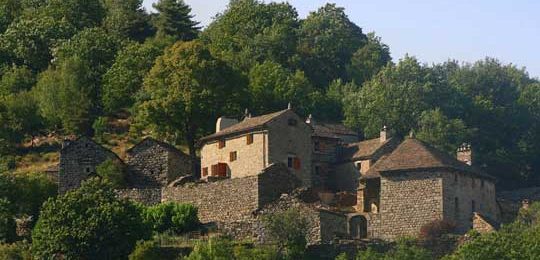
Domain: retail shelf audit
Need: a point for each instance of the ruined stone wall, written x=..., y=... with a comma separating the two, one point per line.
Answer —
x=408, y=201
x=251, y=158
x=466, y=189
x=144, y=196
x=332, y=225
x=179, y=165
x=285, y=140
x=78, y=162
x=148, y=166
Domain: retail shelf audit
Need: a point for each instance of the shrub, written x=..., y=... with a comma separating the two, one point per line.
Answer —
x=29, y=191
x=288, y=230
x=15, y=251
x=88, y=223
x=405, y=249
x=100, y=127
x=112, y=171
x=146, y=250
x=7, y=162
x=436, y=229
x=214, y=248
x=7, y=222
x=172, y=216
x=242, y=252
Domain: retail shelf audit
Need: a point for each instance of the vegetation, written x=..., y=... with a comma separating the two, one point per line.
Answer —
x=90, y=222
x=173, y=217
x=288, y=230
x=113, y=172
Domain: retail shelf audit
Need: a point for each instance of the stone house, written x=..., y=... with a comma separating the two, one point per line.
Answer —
x=417, y=184
x=152, y=163
x=245, y=148
x=78, y=161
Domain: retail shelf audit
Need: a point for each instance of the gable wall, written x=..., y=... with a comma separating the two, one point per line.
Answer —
x=148, y=165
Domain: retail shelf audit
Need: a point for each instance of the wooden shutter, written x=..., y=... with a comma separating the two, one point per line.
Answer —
x=222, y=169
x=205, y=171
x=249, y=139
x=232, y=156
x=221, y=144
x=296, y=163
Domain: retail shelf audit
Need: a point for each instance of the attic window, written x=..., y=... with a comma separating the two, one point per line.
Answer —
x=249, y=139
x=221, y=144
x=292, y=122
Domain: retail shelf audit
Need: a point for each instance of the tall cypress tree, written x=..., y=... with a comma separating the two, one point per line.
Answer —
x=175, y=19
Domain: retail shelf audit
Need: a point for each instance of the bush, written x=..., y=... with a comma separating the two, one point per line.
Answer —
x=7, y=162
x=100, y=127
x=171, y=216
x=7, y=222
x=146, y=250
x=436, y=229
x=88, y=223
x=15, y=251
x=288, y=230
x=112, y=171
x=405, y=249
x=215, y=248
x=242, y=252
x=29, y=191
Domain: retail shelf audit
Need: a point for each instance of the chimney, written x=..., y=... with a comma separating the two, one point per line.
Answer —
x=224, y=122
x=310, y=120
x=385, y=134
x=464, y=154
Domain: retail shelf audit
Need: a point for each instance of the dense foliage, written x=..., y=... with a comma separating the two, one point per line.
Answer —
x=67, y=65
x=173, y=217
x=113, y=172
x=90, y=222
x=288, y=230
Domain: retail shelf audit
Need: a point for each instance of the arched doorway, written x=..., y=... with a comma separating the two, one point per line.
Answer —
x=358, y=227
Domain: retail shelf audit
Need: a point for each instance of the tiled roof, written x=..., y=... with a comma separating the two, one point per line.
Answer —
x=363, y=149
x=333, y=129
x=245, y=125
x=413, y=154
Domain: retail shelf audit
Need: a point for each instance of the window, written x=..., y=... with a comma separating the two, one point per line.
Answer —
x=456, y=207
x=219, y=169
x=87, y=169
x=221, y=144
x=473, y=183
x=86, y=145
x=292, y=122
x=455, y=177
x=290, y=160
x=296, y=163
x=473, y=206
x=205, y=171
x=317, y=170
x=317, y=146
x=482, y=183
x=249, y=139
x=232, y=156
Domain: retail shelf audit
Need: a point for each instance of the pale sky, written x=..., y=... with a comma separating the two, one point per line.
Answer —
x=433, y=31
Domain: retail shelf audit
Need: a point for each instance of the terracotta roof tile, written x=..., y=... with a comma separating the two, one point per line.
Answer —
x=245, y=125
x=413, y=154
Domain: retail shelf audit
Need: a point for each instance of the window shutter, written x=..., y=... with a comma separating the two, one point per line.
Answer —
x=296, y=163
x=205, y=171
x=249, y=139
x=222, y=169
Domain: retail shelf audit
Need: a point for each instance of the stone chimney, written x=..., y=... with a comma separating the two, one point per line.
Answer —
x=385, y=134
x=464, y=154
x=310, y=120
x=224, y=122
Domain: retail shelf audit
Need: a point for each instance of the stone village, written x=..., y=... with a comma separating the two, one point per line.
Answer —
x=382, y=188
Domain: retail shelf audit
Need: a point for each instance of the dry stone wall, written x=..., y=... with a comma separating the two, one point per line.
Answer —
x=144, y=196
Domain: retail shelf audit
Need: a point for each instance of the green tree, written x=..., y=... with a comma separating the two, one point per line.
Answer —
x=442, y=132
x=127, y=19
x=7, y=222
x=250, y=32
x=79, y=13
x=16, y=79
x=19, y=117
x=27, y=192
x=9, y=10
x=395, y=97
x=288, y=230
x=185, y=88
x=175, y=19
x=271, y=87
x=90, y=222
x=113, y=172
x=126, y=75
x=326, y=42
x=31, y=41
x=369, y=59
x=63, y=96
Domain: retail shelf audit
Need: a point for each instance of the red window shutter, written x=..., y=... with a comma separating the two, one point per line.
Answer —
x=205, y=171
x=222, y=169
x=296, y=163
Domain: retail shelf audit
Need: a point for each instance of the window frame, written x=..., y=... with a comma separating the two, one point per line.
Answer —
x=233, y=156
x=249, y=139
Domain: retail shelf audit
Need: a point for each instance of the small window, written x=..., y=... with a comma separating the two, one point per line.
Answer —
x=249, y=139
x=232, y=156
x=473, y=206
x=482, y=183
x=290, y=160
x=205, y=171
x=221, y=144
x=455, y=177
x=86, y=145
x=456, y=207
x=87, y=169
x=296, y=163
x=317, y=170
x=292, y=122
x=317, y=146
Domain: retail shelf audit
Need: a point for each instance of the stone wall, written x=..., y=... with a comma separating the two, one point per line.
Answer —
x=408, y=201
x=152, y=164
x=481, y=224
x=144, y=196
x=78, y=162
x=466, y=190
x=332, y=225
x=251, y=159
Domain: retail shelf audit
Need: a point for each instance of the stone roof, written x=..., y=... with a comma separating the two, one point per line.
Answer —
x=363, y=149
x=413, y=154
x=68, y=144
x=245, y=125
x=331, y=130
x=165, y=145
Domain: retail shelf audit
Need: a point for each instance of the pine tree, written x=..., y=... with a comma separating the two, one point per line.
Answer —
x=175, y=19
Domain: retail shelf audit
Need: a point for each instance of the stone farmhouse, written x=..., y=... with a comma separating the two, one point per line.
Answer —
x=380, y=188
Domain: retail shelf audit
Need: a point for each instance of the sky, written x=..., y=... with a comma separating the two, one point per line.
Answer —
x=433, y=31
